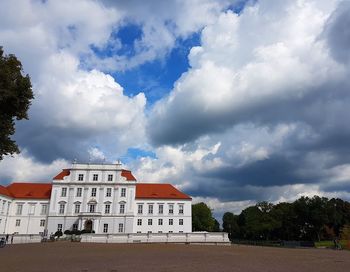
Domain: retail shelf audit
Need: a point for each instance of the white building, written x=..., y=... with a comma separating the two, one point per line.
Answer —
x=103, y=198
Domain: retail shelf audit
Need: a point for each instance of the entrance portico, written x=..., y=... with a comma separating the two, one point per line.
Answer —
x=89, y=222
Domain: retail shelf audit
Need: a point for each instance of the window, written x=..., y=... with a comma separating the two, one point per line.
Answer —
x=75, y=226
x=150, y=209
x=160, y=208
x=64, y=192
x=181, y=222
x=170, y=231
x=92, y=208
x=19, y=209
x=150, y=222
x=105, y=228
x=93, y=191
x=123, y=192
x=107, y=208
x=59, y=227
x=138, y=232
x=31, y=209
x=109, y=192
x=121, y=227
x=149, y=231
x=122, y=208
x=61, y=210
x=171, y=222
x=80, y=177
x=95, y=177
x=79, y=192
x=3, y=206
x=44, y=209
x=181, y=208
x=77, y=208
x=171, y=208
x=42, y=223
x=110, y=177
x=18, y=222
x=139, y=222
x=160, y=222
x=140, y=209
x=160, y=231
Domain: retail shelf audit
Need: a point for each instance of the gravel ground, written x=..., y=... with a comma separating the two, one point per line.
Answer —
x=67, y=256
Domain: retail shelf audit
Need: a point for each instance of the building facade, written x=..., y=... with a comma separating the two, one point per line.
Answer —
x=103, y=198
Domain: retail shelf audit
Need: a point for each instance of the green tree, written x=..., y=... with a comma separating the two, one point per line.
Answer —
x=216, y=225
x=15, y=98
x=202, y=218
x=285, y=215
x=230, y=225
x=256, y=222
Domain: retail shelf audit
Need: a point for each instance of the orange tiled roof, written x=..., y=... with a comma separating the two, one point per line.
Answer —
x=65, y=172
x=30, y=190
x=4, y=191
x=160, y=191
x=128, y=175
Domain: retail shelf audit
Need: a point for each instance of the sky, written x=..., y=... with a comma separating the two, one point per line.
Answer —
x=232, y=101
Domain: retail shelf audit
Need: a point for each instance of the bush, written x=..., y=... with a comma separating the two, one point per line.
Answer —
x=58, y=233
x=67, y=232
x=76, y=232
x=86, y=231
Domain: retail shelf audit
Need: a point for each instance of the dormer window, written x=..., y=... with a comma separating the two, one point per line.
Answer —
x=95, y=177
x=80, y=177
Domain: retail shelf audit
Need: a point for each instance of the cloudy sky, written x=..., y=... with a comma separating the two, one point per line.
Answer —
x=233, y=101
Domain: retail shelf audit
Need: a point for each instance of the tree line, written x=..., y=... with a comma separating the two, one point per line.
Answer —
x=312, y=219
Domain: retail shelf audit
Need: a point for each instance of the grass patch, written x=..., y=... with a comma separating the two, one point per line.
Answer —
x=330, y=244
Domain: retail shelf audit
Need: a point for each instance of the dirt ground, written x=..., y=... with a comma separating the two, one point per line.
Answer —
x=67, y=256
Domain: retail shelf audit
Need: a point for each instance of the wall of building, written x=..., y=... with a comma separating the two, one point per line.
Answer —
x=101, y=186
x=94, y=192
x=165, y=217
x=5, y=204
x=30, y=219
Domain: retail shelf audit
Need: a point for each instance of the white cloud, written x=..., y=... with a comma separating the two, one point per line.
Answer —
x=24, y=168
x=262, y=85
x=96, y=154
x=162, y=24
x=74, y=109
x=234, y=74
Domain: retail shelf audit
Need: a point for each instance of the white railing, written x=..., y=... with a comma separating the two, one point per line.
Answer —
x=124, y=238
x=194, y=237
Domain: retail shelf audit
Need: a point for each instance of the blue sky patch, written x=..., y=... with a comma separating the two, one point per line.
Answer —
x=157, y=78
x=135, y=153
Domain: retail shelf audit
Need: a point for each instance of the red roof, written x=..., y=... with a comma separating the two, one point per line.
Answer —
x=30, y=190
x=128, y=175
x=64, y=173
x=159, y=191
x=4, y=191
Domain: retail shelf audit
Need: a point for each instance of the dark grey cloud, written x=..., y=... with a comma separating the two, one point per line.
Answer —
x=47, y=143
x=338, y=33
